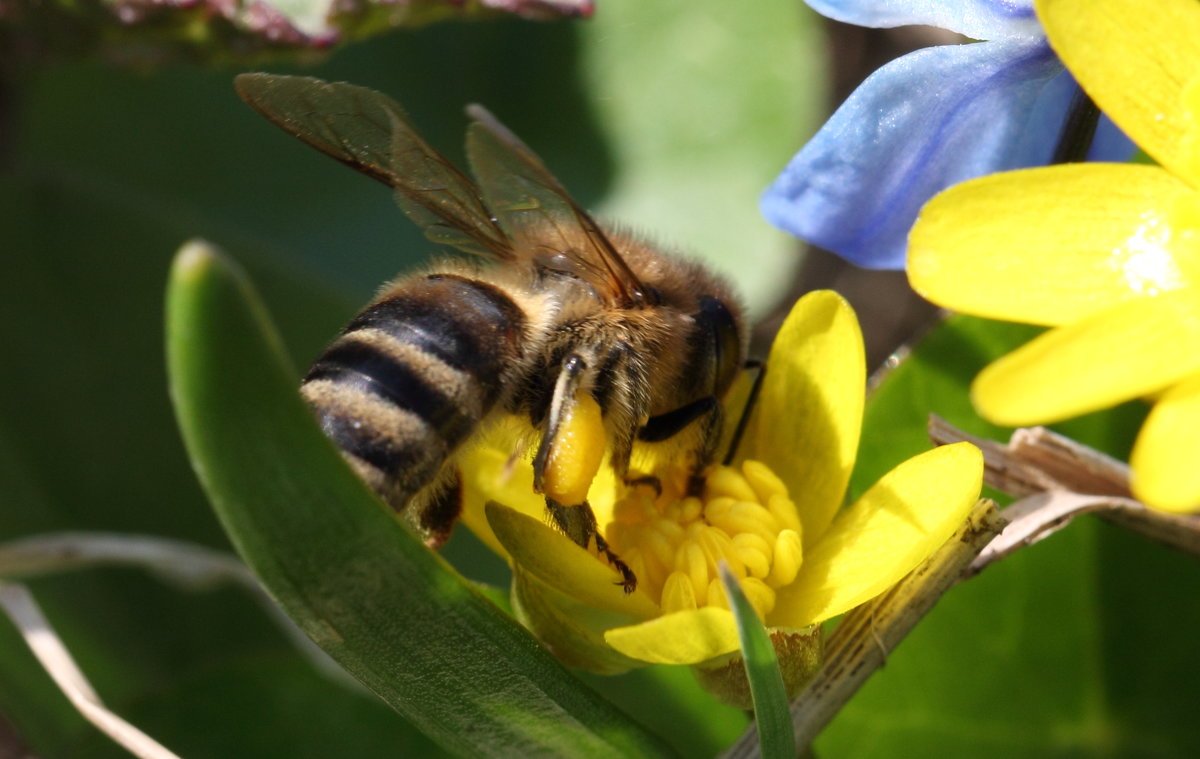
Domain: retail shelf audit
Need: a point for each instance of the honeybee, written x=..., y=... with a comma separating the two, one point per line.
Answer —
x=582, y=330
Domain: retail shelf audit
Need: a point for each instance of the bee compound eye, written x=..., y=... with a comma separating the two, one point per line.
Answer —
x=719, y=349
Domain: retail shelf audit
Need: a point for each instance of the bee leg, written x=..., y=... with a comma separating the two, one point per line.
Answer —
x=647, y=479
x=562, y=405
x=744, y=417
x=707, y=413
x=568, y=459
x=441, y=511
x=668, y=425
x=579, y=524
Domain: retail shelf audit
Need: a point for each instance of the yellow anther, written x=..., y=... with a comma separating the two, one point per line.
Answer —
x=761, y=597
x=673, y=511
x=716, y=545
x=754, y=552
x=659, y=546
x=789, y=554
x=717, y=509
x=764, y=482
x=671, y=530
x=716, y=594
x=728, y=482
x=690, y=509
x=784, y=510
x=678, y=594
x=674, y=544
x=575, y=455
x=745, y=516
x=689, y=560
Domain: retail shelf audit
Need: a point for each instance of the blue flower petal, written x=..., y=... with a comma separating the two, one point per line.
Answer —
x=1110, y=143
x=977, y=19
x=923, y=122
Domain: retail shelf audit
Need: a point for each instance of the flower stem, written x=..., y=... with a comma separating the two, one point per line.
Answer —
x=1078, y=131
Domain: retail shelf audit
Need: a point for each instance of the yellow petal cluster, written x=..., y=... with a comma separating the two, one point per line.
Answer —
x=774, y=516
x=1107, y=255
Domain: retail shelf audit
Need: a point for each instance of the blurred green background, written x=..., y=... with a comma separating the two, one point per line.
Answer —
x=666, y=115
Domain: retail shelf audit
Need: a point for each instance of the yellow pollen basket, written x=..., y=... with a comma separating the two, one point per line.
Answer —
x=577, y=453
x=675, y=543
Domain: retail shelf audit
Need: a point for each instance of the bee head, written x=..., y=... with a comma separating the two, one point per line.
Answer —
x=717, y=347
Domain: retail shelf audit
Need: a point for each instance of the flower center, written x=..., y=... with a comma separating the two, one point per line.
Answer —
x=675, y=543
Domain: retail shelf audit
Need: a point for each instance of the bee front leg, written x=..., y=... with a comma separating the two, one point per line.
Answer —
x=707, y=414
x=568, y=459
x=579, y=524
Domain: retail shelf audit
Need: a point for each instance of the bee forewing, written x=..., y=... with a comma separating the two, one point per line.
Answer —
x=351, y=124
x=370, y=132
x=538, y=214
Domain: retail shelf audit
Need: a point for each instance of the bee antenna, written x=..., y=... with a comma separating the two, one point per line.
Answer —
x=744, y=420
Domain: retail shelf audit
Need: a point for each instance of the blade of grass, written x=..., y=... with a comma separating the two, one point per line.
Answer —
x=356, y=580
x=772, y=718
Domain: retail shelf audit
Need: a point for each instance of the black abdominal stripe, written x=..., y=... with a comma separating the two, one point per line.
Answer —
x=412, y=376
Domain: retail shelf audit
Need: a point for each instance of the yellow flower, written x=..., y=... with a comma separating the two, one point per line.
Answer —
x=773, y=517
x=1108, y=254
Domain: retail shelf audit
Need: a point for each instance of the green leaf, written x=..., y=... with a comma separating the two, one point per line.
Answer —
x=772, y=718
x=670, y=700
x=394, y=614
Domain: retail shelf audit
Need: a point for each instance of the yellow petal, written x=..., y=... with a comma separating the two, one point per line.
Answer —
x=1127, y=351
x=684, y=637
x=552, y=558
x=489, y=475
x=1165, y=474
x=990, y=247
x=572, y=630
x=1135, y=59
x=735, y=401
x=891, y=529
x=807, y=421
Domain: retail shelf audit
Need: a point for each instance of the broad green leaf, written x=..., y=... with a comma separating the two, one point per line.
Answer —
x=671, y=701
x=1076, y=646
x=771, y=716
x=352, y=576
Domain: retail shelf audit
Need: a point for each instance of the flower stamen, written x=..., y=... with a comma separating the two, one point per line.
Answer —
x=745, y=519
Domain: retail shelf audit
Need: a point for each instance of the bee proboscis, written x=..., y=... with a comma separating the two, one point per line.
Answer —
x=576, y=327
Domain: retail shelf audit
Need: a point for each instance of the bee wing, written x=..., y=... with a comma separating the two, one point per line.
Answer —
x=370, y=132
x=539, y=216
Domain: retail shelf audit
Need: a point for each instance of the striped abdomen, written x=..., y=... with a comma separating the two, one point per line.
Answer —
x=409, y=379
